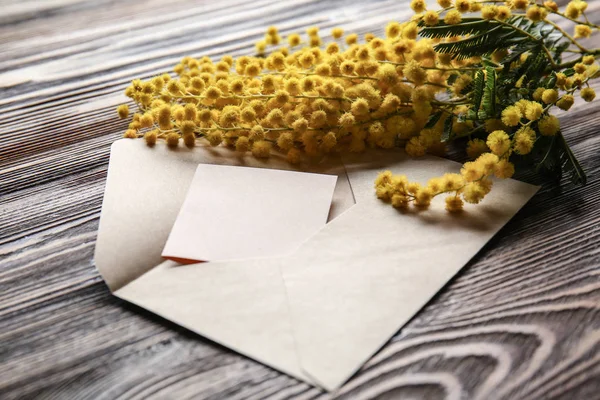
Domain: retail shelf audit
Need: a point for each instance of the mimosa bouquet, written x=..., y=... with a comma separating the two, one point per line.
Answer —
x=482, y=74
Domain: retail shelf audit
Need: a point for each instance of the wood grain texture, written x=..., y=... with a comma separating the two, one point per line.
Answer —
x=522, y=320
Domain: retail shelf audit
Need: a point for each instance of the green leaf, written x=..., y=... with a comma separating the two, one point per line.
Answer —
x=549, y=164
x=516, y=53
x=557, y=158
x=433, y=119
x=478, y=86
x=550, y=81
x=468, y=26
x=484, y=43
x=447, y=133
x=533, y=67
x=489, y=93
x=559, y=50
x=570, y=163
x=482, y=115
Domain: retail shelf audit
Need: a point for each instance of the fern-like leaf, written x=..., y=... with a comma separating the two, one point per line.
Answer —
x=557, y=158
x=478, y=88
x=489, y=92
x=516, y=53
x=498, y=37
x=447, y=132
x=570, y=163
x=433, y=119
x=468, y=26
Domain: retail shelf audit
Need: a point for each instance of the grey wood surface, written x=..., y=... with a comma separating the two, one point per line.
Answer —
x=521, y=321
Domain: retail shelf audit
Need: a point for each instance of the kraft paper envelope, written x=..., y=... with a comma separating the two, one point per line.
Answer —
x=234, y=213
x=321, y=312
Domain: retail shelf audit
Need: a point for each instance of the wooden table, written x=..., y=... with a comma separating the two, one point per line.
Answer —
x=522, y=320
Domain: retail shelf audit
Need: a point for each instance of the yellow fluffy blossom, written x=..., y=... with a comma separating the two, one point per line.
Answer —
x=503, y=13
x=172, y=139
x=337, y=33
x=476, y=147
x=487, y=162
x=476, y=6
x=549, y=125
x=582, y=31
x=473, y=193
x=565, y=102
x=413, y=72
x=504, y=169
x=285, y=141
x=588, y=94
x=588, y=60
x=519, y=4
x=463, y=6
x=549, y=96
x=471, y=171
x=489, y=12
x=294, y=156
x=131, y=133
x=150, y=137
x=454, y=203
x=123, y=111
x=399, y=201
x=261, y=149
x=452, y=17
x=360, y=107
x=242, y=144
x=294, y=40
x=418, y=6
x=189, y=140
x=533, y=111
x=572, y=10
x=498, y=142
x=393, y=30
x=431, y=18
x=410, y=31
x=580, y=68
x=214, y=138
x=351, y=39
x=551, y=5
x=415, y=147
x=511, y=116
x=535, y=13
x=523, y=140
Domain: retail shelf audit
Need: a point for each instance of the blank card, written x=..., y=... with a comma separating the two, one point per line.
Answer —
x=232, y=213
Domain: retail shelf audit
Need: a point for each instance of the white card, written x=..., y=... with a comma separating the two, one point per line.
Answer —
x=232, y=213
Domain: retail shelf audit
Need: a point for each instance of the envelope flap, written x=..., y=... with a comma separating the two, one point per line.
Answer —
x=241, y=305
x=362, y=277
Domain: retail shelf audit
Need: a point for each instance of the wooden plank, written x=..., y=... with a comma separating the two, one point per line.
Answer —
x=521, y=321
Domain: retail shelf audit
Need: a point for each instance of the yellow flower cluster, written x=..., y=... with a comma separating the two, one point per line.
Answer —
x=312, y=98
x=471, y=185
x=377, y=94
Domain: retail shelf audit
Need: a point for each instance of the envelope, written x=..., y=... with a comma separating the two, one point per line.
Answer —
x=317, y=314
